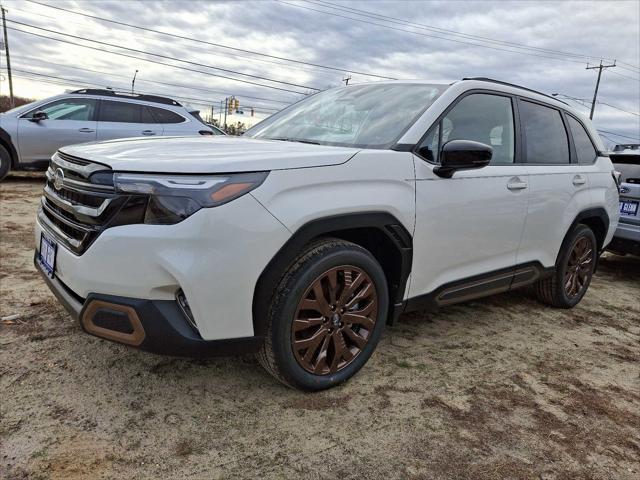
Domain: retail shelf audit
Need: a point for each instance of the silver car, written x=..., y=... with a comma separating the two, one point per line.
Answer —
x=626, y=160
x=31, y=134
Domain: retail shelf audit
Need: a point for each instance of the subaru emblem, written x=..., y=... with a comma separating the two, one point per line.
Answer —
x=58, y=179
x=624, y=189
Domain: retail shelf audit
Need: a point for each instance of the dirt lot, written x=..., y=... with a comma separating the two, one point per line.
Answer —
x=498, y=388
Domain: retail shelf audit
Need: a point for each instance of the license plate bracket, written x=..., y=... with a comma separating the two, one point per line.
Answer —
x=47, y=255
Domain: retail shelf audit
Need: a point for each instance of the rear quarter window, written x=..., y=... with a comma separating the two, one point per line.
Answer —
x=166, y=116
x=585, y=150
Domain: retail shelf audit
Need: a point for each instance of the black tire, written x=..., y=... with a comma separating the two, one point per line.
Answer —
x=5, y=162
x=277, y=354
x=553, y=290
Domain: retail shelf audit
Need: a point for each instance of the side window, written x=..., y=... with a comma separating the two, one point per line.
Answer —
x=166, y=116
x=584, y=148
x=479, y=117
x=546, y=137
x=123, y=112
x=82, y=109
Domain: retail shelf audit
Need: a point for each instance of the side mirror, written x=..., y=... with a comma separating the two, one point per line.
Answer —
x=462, y=155
x=38, y=116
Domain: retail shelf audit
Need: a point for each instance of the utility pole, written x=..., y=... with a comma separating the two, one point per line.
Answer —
x=595, y=94
x=133, y=82
x=346, y=80
x=226, y=107
x=6, y=49
x=220, y=114
x=211, y=120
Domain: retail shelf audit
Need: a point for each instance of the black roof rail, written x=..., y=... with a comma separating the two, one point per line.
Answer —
x=499, y=82
x=107, y=92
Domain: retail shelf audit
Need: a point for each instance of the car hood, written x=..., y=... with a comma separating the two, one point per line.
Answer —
x=207, y=154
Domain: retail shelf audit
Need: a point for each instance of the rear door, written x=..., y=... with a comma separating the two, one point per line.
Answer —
x=71, y=121
x=559, y=185
x=118, y=119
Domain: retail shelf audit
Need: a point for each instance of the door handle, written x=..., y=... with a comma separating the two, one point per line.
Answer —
x=148, y=132
x=516, y=184
x=579, y=180
x=86, y=130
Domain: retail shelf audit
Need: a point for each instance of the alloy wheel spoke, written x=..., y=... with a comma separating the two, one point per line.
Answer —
x=334, y=320
x=305, y=323
x=366, y=322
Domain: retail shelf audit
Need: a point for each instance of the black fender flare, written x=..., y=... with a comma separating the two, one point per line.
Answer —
x=591, y=213
x=5, y=141
x=386, y=223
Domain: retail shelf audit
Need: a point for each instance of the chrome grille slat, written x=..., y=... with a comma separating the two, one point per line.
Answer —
x=76, y=208
x=65, y=220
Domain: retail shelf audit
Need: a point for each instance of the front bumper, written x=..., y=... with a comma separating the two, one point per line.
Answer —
x=157, y=326
x=215, y=257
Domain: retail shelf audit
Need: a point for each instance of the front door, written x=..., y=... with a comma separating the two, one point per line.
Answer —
x=470, y=225
x=70, y=121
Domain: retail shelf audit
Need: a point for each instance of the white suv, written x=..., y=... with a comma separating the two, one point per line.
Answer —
x=31, y=133
x=302, y=239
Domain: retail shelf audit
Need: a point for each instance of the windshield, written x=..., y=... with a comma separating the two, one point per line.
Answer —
x=363, y=116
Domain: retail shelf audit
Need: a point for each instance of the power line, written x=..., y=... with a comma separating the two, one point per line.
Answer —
x=188, y=87
x=427, y=35
x=626, y=76
x=155, y=61
x=182, y=37
x=166, y=57
x=620, y=135
x=57, y=80
x=377, y=16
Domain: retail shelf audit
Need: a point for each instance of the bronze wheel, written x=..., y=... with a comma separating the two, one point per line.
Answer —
x=334, y=320
x=579, y=267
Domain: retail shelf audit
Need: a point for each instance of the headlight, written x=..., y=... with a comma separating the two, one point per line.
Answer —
x=172, y=198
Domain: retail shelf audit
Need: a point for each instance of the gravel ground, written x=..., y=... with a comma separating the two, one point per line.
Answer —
x=498, y=388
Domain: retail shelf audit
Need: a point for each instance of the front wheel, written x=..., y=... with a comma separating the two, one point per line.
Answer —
x=326, y=316
x=5, y=162
x=574, y=270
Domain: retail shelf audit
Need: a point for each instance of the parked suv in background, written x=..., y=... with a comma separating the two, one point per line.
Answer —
x=30, y=134
x=626, y=160
x=302, y=239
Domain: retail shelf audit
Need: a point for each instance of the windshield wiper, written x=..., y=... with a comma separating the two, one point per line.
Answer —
x=299, y=140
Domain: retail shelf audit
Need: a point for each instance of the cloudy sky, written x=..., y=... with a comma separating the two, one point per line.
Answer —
x=542, y=45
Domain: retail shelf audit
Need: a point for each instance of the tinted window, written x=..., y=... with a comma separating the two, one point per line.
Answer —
x=68, y=109
x=479, y=117
x=584, y=148
x=166, y=116
x=123, y=112
x=546, y=138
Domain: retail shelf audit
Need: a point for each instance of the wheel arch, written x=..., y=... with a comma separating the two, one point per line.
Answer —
x=5, y=141
x=596, y=219
x=382, y=234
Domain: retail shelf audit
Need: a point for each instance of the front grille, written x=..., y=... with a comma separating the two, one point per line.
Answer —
x=80, y=201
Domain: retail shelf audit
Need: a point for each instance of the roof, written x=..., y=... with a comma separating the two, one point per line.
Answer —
x=107, y=92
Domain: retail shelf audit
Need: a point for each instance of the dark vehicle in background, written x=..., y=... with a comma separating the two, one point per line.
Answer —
x=626, y=160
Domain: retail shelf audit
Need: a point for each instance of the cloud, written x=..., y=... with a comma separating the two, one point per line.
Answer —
x=609, y=29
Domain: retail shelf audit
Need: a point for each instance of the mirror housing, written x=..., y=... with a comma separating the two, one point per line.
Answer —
x=39, y=116
x=462, y=155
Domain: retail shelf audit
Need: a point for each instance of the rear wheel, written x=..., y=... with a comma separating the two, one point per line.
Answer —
x=5, y=162
x=574, y=270
x=326, y=316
